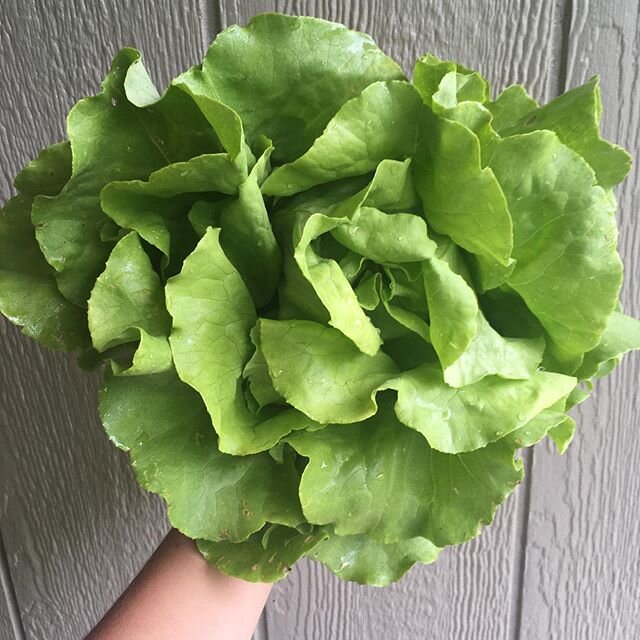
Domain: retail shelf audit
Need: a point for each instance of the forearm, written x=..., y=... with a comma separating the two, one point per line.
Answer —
x=179, y=595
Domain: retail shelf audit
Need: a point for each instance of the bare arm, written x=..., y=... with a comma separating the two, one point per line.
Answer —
x=179, y=595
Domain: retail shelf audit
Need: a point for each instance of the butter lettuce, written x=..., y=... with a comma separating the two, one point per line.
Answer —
x=331, y=303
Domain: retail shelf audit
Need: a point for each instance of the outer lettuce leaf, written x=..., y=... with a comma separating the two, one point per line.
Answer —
x=562, y=434
x=110, y=138
x=468, y=418
x=568, y=270
x=287, y=76
x=537, y=428
x=34, y=303
x=357, y=481
x=367, y=561
x=266, y=556
x=574, y=117
x=29, y=295
x=167, y=431
x=621, y=335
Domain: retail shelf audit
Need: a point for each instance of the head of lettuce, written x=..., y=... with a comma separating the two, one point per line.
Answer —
x=333, y=303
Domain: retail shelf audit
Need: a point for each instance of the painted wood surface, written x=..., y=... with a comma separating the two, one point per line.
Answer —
x=582, y=577
x=561, y=561
x=75, y=525
x=10, y=623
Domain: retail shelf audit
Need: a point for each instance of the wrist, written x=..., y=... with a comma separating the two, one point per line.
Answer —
x=178, y=594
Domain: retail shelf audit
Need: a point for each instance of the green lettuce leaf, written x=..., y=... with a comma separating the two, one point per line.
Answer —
x=265, y=556
x=166, y=429
x=110, y=139
x=366, y=561
x=510, y=107
x=29, y=295
x=212, y=315
x=127, y=298
x=321, y=372
x=331, y=285
x=453, y=310
x=378, y=124
x=567, y=268
x=460, y=198
x=468, y=418
x=621, y=335
x=562, y=434
x=287, y=76
x=574, y=117
x=357, y=480
x=489, y=354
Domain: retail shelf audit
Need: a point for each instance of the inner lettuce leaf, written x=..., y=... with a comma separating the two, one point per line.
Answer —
x=213, y=313
x=331, y=304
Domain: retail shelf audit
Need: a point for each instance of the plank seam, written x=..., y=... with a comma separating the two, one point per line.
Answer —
x=10, y=594
x=524, y=508
x=262, y=629
x=522, y=538
x=211, y=20
x=565, y=40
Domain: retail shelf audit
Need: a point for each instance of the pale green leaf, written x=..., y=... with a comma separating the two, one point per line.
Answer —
x=366, y=561
x=321, y=372
x=127, y=298
x=460, y=198
x=379, y=124
x=287, y=76
x=212, y=315
x=568, y=270
x=470, y=417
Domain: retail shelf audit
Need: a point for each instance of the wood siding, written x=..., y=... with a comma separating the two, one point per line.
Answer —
x=562, y=559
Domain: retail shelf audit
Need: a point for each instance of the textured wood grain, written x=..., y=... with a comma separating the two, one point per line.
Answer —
x=583, y=557
x=75, y=525
x=10, y=621
x=472, y=591
x=6, y=632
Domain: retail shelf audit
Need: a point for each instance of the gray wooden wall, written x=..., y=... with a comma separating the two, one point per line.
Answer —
x=563, y=558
